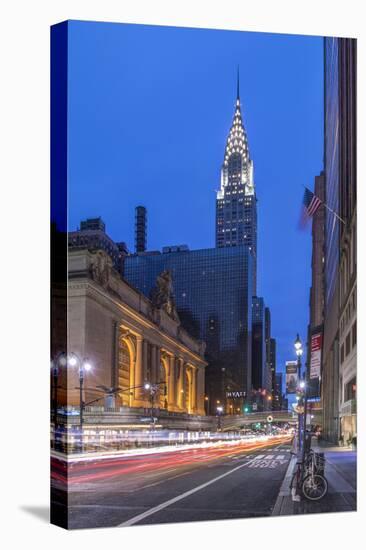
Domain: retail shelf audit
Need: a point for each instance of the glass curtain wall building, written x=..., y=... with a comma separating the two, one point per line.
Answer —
x=213, y=297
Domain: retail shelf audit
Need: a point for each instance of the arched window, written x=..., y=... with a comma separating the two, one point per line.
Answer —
x=163, y=402
x=124, y=370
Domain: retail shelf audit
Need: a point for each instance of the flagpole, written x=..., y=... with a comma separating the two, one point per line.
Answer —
x=335, y=213
x=326, y=206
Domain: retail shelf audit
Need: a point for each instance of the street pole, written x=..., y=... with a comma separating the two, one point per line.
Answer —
x=152, y=404
x=299, y=402
x=81, y=380
x=55, y=384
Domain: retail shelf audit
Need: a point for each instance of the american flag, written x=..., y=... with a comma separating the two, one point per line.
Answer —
x=311, y=202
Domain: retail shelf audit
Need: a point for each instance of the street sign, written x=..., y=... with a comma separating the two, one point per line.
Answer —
x=269, y=418
x=254, y=406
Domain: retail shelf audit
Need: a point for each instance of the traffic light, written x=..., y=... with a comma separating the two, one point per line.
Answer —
x=246, y=409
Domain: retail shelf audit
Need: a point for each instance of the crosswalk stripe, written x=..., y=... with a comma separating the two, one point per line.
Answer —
x=259, y=456
x=280, y=457
x=269, y=457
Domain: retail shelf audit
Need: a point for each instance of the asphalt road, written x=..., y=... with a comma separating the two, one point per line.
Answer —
x=222, y=482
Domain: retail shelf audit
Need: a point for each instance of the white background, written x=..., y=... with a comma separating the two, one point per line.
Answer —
x=24, y=165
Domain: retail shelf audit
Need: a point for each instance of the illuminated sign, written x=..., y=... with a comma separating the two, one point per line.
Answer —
x=291, y=376
x=235, y=394
x=316, y=354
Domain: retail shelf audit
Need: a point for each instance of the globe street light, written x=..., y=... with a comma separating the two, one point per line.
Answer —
x=59, y=361
x=207, y=404
x=301, y=386
x=84, y=365
x=219, y=410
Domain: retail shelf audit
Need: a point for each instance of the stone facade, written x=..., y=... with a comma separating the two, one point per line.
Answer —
x=129, y=342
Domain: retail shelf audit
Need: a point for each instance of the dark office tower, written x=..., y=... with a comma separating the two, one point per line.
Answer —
x=267, y=336
x=140, y=228
x=277, y=392
x=258, y=344
x=236, y=210
x=272, y=361
x=213, y=297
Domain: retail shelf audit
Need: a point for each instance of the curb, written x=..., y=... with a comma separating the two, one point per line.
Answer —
x=285, y=490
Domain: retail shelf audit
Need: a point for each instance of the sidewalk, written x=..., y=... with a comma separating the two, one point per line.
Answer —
x=340, y=471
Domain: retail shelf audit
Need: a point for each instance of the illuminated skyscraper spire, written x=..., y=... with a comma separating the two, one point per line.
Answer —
x=238, y=89
x=236, y=213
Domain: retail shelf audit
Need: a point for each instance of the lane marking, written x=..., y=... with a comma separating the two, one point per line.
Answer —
x=269, y=457
x=167, y=503
x=259, y=457
x=280, y=457
x=157, y=482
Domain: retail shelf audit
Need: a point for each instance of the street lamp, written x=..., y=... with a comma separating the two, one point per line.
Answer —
x=59, y=361
x=301, y=385
x=84, y=366
x=219, y=410
x=207, y=405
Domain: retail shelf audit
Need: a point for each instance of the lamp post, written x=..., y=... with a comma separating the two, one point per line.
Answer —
x=153, y=389
x=219, y=410
x=84, y=366
x=149, y=387
x=301, y=386
x=60, y=360
x=207, y=404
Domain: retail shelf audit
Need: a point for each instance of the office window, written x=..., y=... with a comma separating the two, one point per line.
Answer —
x=354, y=334
x=348, y=343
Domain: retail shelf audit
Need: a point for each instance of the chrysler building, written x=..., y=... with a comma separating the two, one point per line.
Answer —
x=236, y=210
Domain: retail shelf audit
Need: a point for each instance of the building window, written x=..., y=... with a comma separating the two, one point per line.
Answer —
x=348, y=343
x=354, y=334
x=350, y=390
x=342, y=353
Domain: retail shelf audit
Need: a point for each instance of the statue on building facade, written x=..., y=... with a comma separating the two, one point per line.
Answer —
x=162, y=295
x=100, y=268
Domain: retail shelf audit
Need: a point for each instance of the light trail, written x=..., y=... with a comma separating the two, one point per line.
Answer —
x=86, y=472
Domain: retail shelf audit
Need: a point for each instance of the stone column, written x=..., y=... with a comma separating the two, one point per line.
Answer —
x=146, y=367
x=180, y=396
x=201, y=391
x=151, y=367
x=157, y=365
x=171, y=383
x=114, y=363
x=194, y=390
x=139, y=371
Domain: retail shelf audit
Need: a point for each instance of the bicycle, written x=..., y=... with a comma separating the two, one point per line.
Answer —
x=309, y=477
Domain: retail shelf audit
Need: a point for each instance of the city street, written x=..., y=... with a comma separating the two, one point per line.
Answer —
x=223, y=481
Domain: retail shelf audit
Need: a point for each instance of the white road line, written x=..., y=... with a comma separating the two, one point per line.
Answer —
x=167, y=503
x=269, y=457
x=259, y=457
x=280, y=457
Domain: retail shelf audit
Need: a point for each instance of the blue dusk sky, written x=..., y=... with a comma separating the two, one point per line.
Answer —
x=148, y=116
